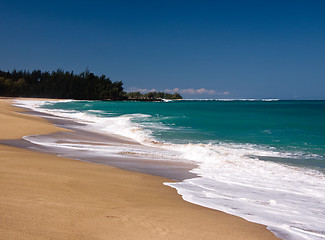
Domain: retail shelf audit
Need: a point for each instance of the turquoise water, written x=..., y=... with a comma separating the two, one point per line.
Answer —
x=261, y=160
x=292, y=127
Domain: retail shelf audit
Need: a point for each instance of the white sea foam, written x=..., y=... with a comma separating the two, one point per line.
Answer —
x=231, y=178
x=286, y=199
x=96, y=111
x=101, y=149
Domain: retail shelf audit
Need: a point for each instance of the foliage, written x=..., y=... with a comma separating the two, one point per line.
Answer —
x=59, y=84
x=152, y=96
x=67, y=85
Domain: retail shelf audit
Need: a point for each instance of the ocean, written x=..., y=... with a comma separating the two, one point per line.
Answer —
x=262, y=160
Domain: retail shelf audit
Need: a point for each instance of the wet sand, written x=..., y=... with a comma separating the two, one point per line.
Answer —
x=170, y=168
x=43, y=196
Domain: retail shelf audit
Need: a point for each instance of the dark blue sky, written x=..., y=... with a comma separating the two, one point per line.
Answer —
x=204, y=49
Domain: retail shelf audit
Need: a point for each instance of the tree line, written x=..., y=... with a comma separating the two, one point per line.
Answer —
x=152, y=96
x=68, y=85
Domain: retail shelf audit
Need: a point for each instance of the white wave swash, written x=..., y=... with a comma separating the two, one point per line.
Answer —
x=289, y=200
x=119, y=125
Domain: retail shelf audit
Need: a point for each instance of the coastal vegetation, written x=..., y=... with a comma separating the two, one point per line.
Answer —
x=152, y=96
x=68, y=85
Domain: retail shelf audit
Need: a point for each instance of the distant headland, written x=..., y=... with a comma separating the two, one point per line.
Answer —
x=68, y=85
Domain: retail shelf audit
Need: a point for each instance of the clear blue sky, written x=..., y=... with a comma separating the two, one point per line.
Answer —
x=204, y=49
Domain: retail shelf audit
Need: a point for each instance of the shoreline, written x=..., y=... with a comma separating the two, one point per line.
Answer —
x=91, y=201
x=175, y=170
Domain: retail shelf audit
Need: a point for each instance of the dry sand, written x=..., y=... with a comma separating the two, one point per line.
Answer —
x=47, y=197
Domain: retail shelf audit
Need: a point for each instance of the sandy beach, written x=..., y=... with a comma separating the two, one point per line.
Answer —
x=43, y=196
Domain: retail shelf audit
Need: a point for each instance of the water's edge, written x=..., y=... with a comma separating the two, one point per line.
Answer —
x=138, y=157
